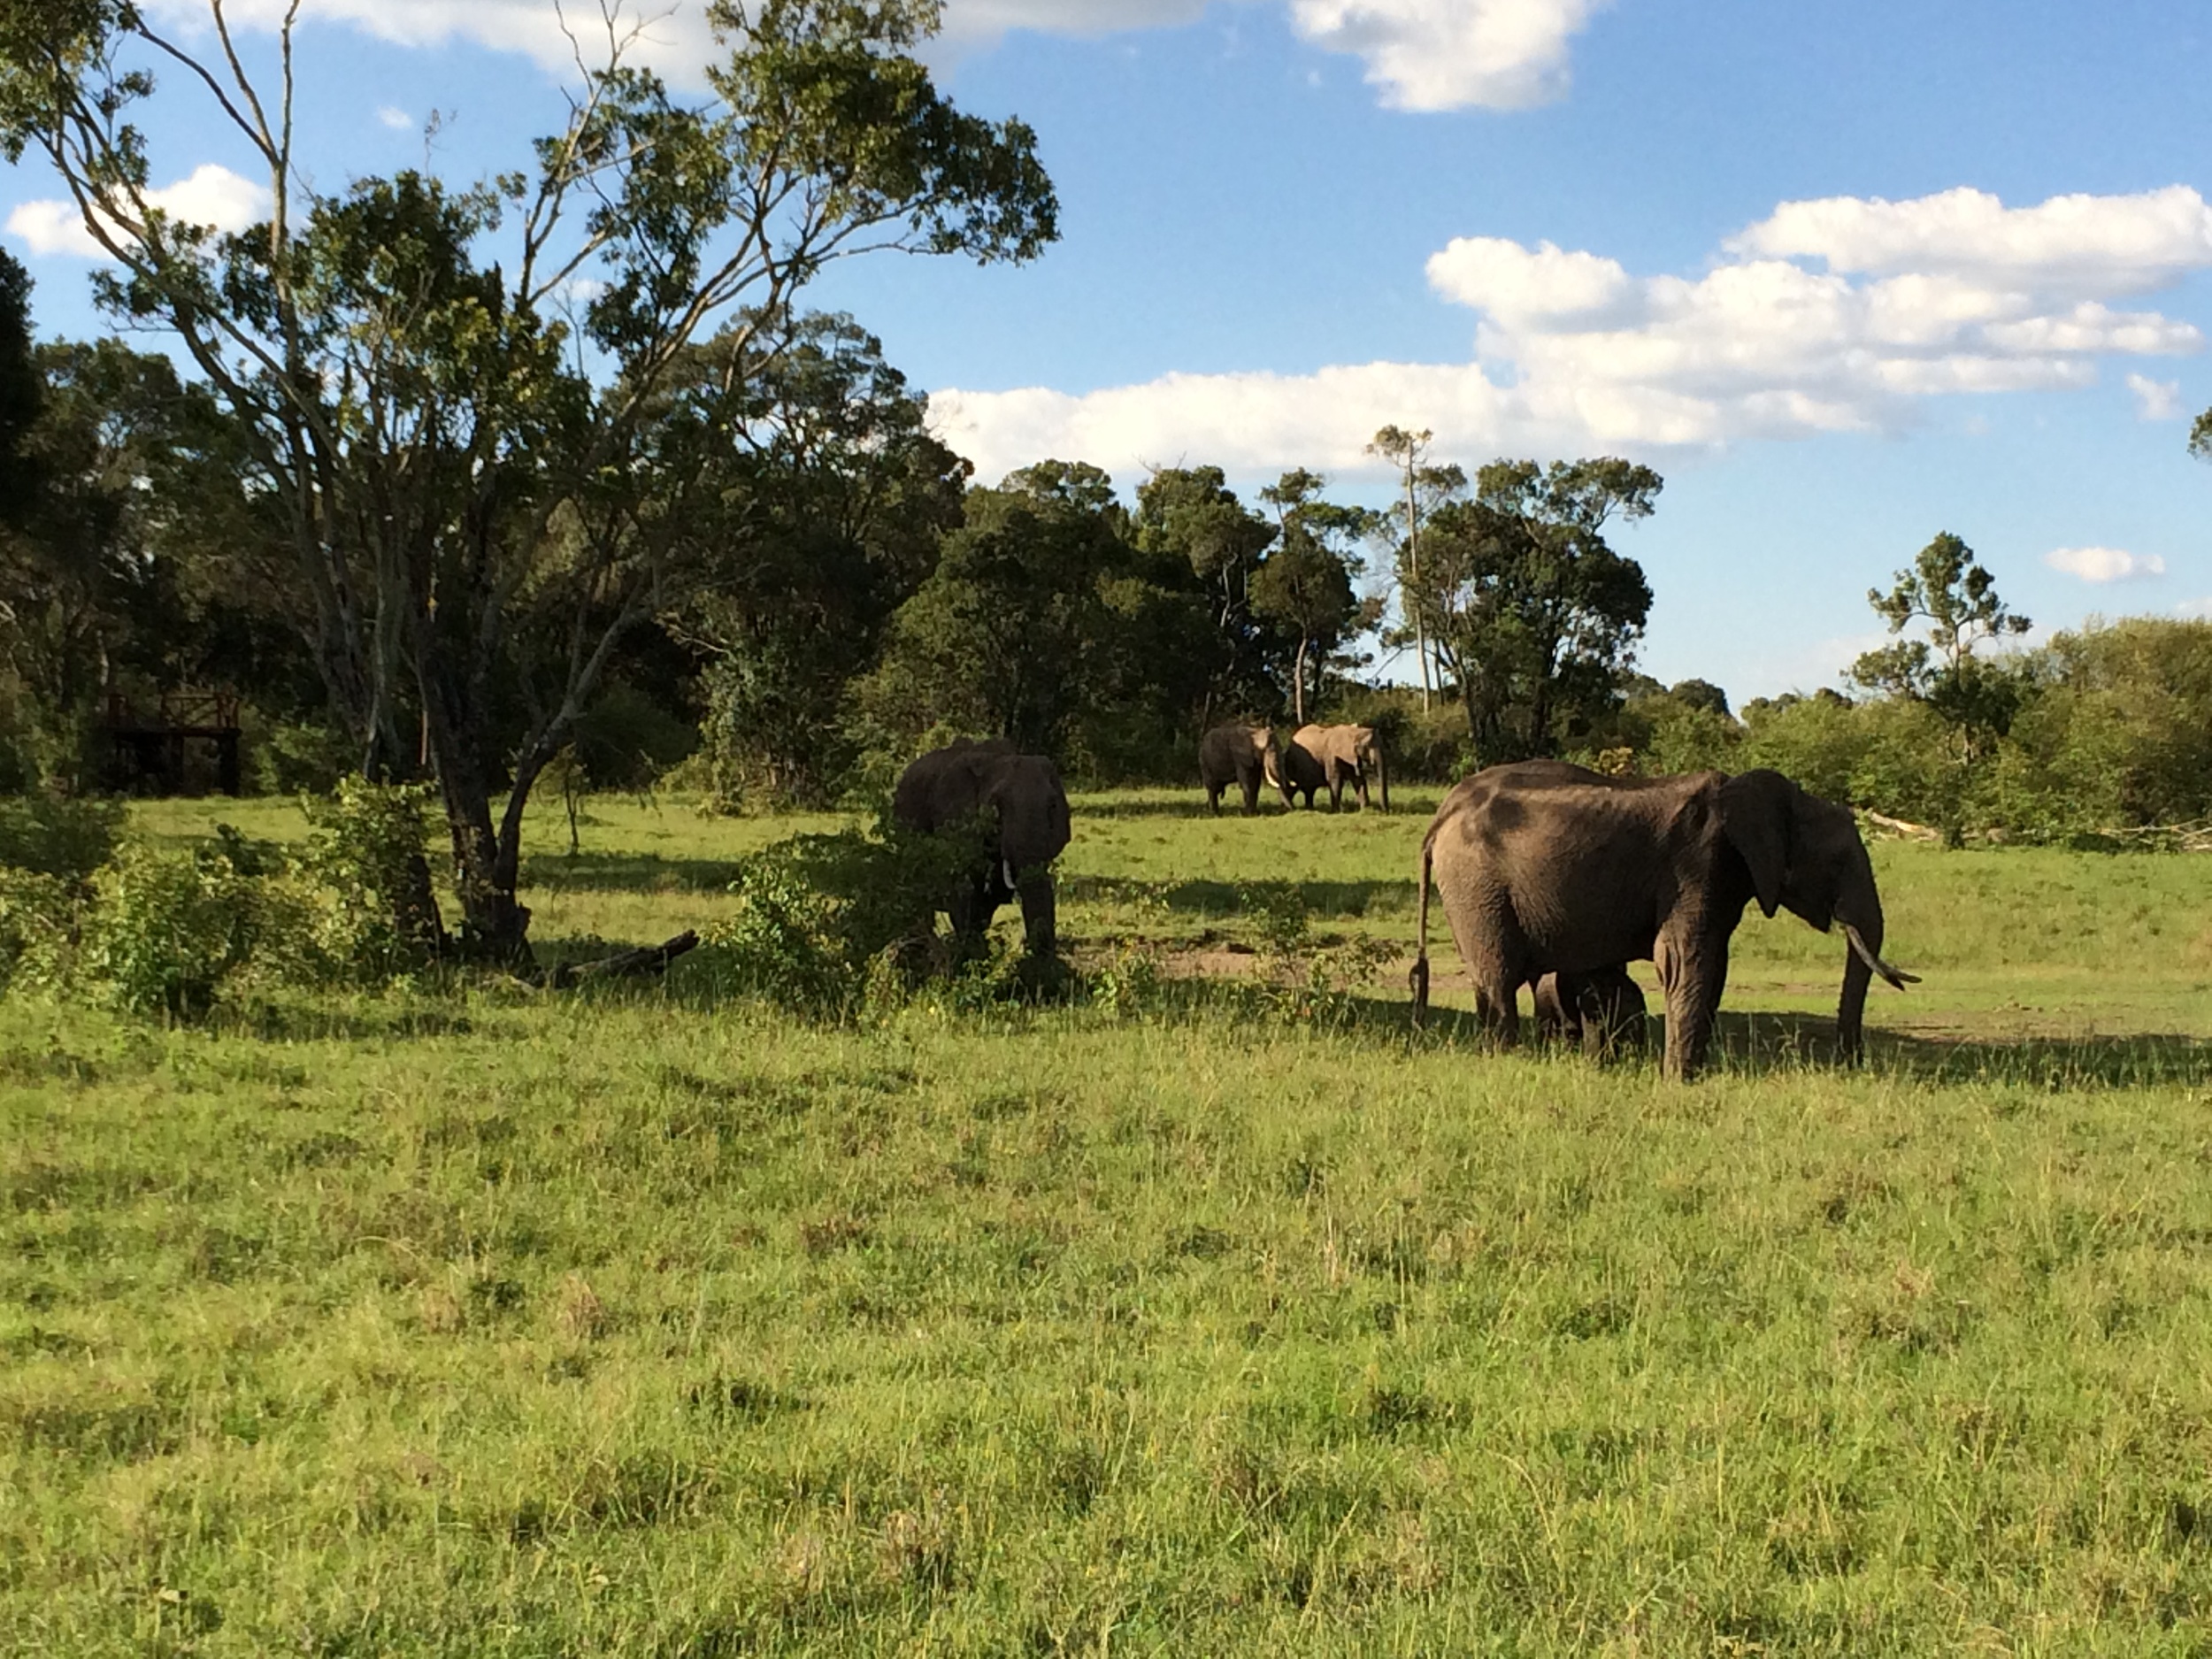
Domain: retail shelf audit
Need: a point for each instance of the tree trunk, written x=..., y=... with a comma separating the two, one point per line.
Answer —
x=495, y=927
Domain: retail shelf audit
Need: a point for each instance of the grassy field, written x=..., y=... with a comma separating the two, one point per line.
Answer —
x=514, y=1324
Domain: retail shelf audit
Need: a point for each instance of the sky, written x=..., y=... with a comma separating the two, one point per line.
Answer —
x=1847, y=276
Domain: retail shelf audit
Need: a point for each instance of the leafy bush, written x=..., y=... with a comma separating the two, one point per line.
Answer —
x=294, y=757
x=826, y=923
x=37, y=922
x=164, y=930
x=1300, y=981
x=66, y=839
x=365, y=880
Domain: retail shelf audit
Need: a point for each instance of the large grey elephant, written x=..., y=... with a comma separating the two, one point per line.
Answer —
x=1024, y=811
x=1544, y=868
x=1243, y=754
x=1340, y=755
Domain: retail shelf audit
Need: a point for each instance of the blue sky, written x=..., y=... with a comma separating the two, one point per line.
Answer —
x=1848, y=276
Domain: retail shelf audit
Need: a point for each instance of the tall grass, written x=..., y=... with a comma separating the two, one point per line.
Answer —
x=520, y=1325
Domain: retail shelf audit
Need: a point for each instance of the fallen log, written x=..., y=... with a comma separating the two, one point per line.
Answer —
x=1898, y=826
x=646, y=959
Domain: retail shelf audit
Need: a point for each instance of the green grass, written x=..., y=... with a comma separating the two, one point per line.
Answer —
x=529, y=1325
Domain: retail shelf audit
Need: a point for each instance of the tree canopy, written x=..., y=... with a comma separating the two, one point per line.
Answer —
x=465, y=472
x=1533, y=613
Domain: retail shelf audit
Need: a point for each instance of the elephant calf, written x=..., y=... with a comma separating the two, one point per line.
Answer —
x=1023, y=810
x=1602, y=1009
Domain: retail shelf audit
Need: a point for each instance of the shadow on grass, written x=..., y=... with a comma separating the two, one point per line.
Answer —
x=1415, y=808
x=1322, y=900
x=625, y=872
x=1762, y=1044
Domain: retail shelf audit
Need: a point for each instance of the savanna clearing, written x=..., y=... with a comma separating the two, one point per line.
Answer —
x=1185, y=1318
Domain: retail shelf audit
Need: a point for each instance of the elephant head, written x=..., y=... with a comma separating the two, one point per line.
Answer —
x=1024, y=811
x=1024, y=793
x=1803, y=855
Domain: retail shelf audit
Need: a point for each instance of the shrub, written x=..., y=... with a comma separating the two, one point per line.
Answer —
x=37, y=922
x=367, y=900
x=66, y=839
x=164, y=930
x=293, y=757
x=826, y=923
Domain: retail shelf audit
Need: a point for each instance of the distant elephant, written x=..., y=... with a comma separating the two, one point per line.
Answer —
x=1243, y=754
x=1547, y=868
x=1297, y=769
x=1602, y=1009
x=1025, y=812
x=1344, y=753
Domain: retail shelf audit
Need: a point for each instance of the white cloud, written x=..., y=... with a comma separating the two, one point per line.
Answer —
x=211, y=196
x=1507, y=281
x=396, y=118
x=2196, y=610
x=2081, y=244
x=2155, y=400
x=1421, y=54
x=674, y=37
x=1572, y=351
x=2105, y=564
x=1449, y=54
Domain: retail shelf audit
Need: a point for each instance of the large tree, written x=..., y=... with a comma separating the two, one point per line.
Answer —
x=1190, y=514
x=1953, y=595
x=1534, y=615
x=828, y=522
x=1305, y=586
x=1012, y=632
x=451, y=395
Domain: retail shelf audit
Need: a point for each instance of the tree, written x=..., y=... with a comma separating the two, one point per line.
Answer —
x=1535, y=614
x=465, y=467
x=1007, y=636
x=835, y=498
x=1306, y=584
x=1424, y=488
x=20, y=391
x=1192, y=514
x=1951, y=591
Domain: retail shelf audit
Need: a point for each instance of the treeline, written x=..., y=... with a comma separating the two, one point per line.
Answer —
x=863, y=597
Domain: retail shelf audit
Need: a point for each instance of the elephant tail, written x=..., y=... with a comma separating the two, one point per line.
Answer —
x=1418, y=979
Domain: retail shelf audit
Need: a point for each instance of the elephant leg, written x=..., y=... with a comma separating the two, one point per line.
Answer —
x=1557, y=1014
x=1040, y=914
x=1251, y=797
x=1498, y=1006
x=1213, y=799
x=972, y=907
x=1612, y=1013
x=1694, y=972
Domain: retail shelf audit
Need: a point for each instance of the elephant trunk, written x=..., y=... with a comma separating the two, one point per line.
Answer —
x=1861, y=920
x=1851, y=1010
x=1040, y=920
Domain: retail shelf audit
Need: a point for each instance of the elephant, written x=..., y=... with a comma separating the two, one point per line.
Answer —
x=1342, y=755
x=1602, y=1009
x=1544, y=867
x=1243, y=754
x=1025, y=811
x=1297, y=769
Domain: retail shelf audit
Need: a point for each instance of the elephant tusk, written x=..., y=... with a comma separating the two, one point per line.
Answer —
x=1897, y=977
x=1006, y=868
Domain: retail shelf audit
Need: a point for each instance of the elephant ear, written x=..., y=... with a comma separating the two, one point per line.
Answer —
x=1756, y=811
